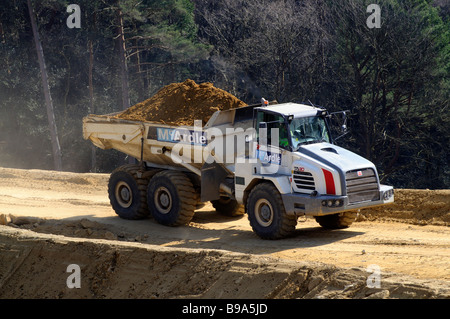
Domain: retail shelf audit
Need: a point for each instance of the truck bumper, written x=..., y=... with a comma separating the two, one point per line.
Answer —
x=302, y=204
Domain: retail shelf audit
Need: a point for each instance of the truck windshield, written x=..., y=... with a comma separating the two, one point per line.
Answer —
x=308, y=130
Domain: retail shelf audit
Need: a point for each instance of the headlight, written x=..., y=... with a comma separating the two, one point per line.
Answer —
x=333, y=203
x=388, y=194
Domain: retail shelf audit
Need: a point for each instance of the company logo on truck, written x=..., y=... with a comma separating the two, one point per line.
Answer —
x=181, y=135
x=269, y=157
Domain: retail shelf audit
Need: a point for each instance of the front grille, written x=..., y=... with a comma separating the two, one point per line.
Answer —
x=304, y=181
x=362, y=186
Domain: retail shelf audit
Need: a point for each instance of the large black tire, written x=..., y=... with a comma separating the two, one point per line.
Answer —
x=267, y=214
x=228, y=207
x=337, y=221
x=171, y=198
x=127, y=191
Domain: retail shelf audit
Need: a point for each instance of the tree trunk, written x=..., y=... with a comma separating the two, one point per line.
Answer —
x=123, y=62
x=57, y=155
x=123, y=67
x=91, y=103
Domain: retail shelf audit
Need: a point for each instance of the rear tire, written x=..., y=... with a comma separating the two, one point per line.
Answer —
x=337, y=221
x=266, y=213
x=228, y=207
x=127, y=192
x=171, y=198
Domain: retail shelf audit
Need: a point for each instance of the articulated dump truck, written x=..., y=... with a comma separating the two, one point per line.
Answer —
x=273, y=162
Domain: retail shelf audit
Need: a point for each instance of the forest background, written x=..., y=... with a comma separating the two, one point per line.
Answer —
x=394, y=79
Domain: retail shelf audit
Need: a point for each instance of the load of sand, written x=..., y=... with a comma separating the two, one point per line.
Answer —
x=182, y=103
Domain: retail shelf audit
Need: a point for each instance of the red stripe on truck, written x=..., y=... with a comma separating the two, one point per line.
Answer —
x=329, y=182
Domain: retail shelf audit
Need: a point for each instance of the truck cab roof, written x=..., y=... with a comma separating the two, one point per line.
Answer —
x=292, y=109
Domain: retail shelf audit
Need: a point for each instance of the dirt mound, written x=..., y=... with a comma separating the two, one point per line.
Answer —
x=182, y=103
x=36, y=266
x=50, y=220
x=413, y=206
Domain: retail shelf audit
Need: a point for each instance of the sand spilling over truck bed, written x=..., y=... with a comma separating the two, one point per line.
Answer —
x=182, y=103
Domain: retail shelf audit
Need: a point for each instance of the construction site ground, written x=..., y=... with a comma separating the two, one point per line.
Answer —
x=51, y=220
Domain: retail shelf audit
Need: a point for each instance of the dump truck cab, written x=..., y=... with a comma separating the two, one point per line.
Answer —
x=295, y=153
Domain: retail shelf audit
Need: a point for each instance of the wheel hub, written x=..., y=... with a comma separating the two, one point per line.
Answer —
x=264, y=212
x=123, y=194
x=163, y=200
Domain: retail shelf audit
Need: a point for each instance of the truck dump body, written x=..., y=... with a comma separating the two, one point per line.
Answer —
x=134, y=137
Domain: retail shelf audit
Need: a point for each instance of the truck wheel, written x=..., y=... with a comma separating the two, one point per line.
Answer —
x=171, y=198
x=266, y=213
x=228, y=207
x=337, y=221
x=127, y=192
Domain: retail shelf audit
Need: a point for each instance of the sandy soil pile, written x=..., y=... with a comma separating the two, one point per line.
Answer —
x=49, y=220
x=182, y=103
x=413, y=206
x=35, y=266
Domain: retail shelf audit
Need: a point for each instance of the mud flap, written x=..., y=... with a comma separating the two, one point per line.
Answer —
x=212, y=176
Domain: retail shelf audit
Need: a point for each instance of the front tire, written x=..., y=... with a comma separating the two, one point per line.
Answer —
x=267, y=214
x=171, y=198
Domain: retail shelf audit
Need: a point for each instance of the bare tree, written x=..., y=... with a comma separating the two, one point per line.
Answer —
x=56, y=148
x=383, y=73
x=276, y=44
x=91, y=101
x=122, y=59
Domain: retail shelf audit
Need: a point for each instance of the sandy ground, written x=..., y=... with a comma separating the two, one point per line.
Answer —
x=54, y=219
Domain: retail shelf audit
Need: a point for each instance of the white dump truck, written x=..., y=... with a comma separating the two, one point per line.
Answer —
x=273, y=162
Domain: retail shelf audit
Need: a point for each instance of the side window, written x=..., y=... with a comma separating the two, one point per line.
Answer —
x=273, y=122
x=259, y=119
x=283, y=135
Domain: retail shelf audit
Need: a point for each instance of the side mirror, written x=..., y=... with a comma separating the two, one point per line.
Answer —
x=344, y=124
x=341, y=118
